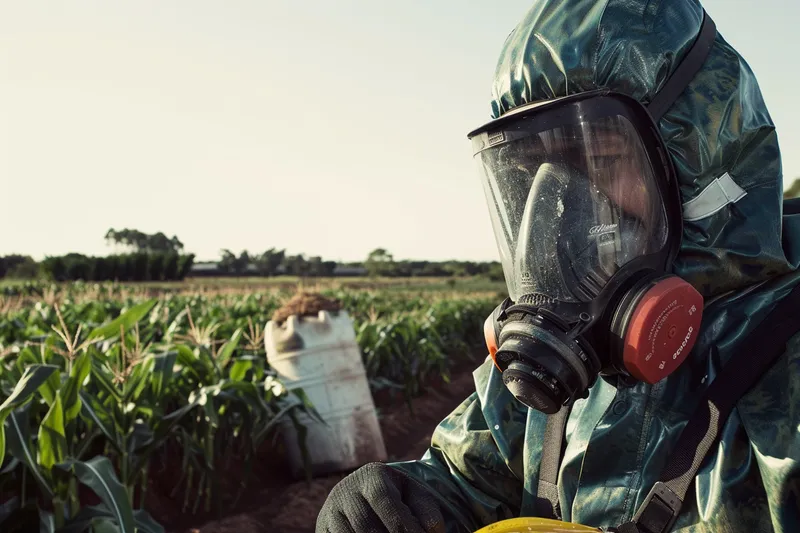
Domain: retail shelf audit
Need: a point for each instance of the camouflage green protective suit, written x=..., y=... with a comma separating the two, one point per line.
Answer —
x=484, y=458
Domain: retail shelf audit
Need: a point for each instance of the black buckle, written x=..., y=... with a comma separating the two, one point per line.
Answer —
x=660, y=509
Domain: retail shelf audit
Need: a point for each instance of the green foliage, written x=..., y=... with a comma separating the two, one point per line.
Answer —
x=153, y=266
x=129, y=391
x=48, y=440
x=495, y=272
x=268, y=262
x=382, y=263
x=379, y=263
x=143, y=242
x=18, y=267
x=296, y=265
x=102, y=390
x=184, y=266
x=158, y=258
x=230, y=264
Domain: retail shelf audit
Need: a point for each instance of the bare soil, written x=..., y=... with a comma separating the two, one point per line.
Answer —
x=281, y=505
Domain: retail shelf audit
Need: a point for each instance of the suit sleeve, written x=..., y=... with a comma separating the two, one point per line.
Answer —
x=475, y=462
x=771, y=417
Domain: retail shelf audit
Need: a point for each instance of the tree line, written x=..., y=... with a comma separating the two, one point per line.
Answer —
x=143, y=242
x=141, y=266
x=144, y=257
x=170, y=266
x=156, y=257
x=379, y=262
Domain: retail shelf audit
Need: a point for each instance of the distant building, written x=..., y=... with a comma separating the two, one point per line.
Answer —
x=204, y=269
x=343, y=270
x=211, y=268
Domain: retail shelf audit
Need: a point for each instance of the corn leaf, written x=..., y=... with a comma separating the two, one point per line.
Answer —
x=19, y=444
x=93, y=410
x=101, y=379
x=126, y=320
x=25, y=359
x=52, y=439
x=145, y=523
x=162, y=373
x=8, y=508
x=141, y=437
x=31, y=380
x=47, y=522
x=161, y=429
x=277, y=418
x=104, y=526
x=98, y=474
x=12, y=465
x=137, y=382
x=99, y=516
x=239, y=369
x=69, y=391
x=190, y=362
x=308, y=406
x=227, y=350
x=50, y=387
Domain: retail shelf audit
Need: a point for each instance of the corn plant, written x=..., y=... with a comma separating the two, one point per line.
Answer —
x=47, y=398
x=121, y=391
x=103, y=387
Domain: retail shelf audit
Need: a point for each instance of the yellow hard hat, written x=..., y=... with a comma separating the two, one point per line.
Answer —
x=535, y=525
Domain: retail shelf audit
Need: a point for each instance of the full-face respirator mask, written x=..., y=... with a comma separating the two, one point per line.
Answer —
x=586, y=212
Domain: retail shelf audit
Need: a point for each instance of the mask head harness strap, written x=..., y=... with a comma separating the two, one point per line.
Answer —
x=686, y=71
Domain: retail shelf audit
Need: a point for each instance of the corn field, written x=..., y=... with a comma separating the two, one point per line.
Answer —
x=101, y=386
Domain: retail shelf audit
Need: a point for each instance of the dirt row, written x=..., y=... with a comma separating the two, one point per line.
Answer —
x=291, y=507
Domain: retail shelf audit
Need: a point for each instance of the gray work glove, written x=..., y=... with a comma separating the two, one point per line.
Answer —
x=376, y=499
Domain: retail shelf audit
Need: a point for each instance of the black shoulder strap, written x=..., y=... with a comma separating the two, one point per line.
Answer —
x=686, y=71
x=791, y=206
x=547, y=504
x=753, y=358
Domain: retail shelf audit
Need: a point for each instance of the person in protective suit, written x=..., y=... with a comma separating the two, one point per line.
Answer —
x=645, y=369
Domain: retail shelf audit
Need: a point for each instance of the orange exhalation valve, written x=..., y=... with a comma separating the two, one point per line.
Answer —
x=662, y=330
x=490, y=336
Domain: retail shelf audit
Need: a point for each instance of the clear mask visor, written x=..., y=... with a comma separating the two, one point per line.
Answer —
x=569, y=205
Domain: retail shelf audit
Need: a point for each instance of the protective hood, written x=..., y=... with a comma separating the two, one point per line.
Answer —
x=718, y=133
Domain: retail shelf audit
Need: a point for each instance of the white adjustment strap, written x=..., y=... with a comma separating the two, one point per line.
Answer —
x=719, y=193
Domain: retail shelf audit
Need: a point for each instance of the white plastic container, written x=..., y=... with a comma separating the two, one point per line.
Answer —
x=320, y=355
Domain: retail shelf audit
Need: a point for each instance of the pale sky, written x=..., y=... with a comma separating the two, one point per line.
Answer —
x=323, y=127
